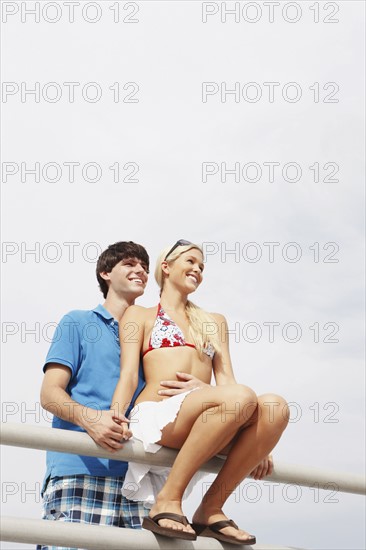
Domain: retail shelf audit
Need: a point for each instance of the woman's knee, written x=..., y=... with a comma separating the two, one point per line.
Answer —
x=237, y=393
x=249, y=400
x=240, y=398
x=274, y=409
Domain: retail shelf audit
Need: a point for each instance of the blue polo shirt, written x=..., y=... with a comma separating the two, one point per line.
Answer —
x=87, y=342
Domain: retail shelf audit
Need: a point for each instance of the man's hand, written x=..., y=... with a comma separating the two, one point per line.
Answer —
x=183, y=383
x=103, y=426
x=264, y=468
x=107, y=428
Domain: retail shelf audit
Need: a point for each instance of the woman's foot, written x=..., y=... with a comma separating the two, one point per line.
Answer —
x=170, y=506
x=207, y=517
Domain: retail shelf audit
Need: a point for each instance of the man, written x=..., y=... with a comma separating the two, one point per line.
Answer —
x=81, y=371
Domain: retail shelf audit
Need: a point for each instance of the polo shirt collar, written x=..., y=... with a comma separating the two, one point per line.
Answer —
x=100, y=310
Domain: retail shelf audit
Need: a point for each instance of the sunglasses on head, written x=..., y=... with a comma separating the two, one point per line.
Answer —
x=181, y=242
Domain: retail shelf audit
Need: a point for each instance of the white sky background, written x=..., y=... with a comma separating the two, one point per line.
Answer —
x=169, y=133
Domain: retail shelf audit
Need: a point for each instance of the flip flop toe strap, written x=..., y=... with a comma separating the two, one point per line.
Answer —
x=218, y=525
x=170, y=515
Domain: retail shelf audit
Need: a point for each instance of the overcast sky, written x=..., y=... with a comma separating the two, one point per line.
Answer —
x=244, y=134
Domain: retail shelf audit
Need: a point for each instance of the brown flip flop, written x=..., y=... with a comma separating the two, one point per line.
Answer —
x=151, y=524
x=213, y=531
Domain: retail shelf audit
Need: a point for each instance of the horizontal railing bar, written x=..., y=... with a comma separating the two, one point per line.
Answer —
x=43, y=438
x=96, y=537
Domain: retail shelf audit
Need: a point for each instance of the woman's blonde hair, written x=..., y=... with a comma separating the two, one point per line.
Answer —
x=203, y=327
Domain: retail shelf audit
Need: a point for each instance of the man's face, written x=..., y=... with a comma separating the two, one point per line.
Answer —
x=128, y=278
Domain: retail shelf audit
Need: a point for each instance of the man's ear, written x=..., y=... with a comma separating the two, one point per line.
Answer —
x=105, y=275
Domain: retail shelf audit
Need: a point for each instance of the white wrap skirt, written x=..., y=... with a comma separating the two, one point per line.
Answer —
x=143, y=482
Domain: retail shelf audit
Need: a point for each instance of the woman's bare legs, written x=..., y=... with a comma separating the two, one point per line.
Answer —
x=250, y=446
x=207, y=421
x=222, y=411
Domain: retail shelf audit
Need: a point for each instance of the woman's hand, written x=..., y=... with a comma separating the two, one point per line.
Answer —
x=127, y=434
x=264, y=468
x=124, y=424
x=184, y=383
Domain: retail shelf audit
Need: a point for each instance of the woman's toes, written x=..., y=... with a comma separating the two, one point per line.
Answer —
x=244, y=535
x=238, y=534
x=174, y=525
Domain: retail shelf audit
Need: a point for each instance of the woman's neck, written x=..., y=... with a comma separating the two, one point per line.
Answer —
x=172, y=299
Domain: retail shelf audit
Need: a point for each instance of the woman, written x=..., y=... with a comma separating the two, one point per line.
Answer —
x=227, y=418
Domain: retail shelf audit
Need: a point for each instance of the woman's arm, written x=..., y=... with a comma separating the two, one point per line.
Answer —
x=131, y=335
x=223, y=370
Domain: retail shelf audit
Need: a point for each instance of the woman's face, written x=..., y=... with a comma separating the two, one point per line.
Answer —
x=186, y=270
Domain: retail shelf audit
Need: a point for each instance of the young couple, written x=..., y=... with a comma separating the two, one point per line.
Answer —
x=174, y=340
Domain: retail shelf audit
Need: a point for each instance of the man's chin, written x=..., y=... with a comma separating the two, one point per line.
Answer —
x=138, y=291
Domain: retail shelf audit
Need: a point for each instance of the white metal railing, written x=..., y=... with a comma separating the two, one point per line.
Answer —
x=94, y=537
x=35, y=437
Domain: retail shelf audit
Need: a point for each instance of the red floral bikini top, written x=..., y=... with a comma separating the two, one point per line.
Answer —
x=167, y=334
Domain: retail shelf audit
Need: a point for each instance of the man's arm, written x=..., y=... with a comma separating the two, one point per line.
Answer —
x=102, y=426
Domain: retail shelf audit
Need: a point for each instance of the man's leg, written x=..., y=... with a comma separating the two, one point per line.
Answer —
x=92, y=500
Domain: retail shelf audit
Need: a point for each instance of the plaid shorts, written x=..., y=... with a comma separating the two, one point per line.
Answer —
x=90, y=499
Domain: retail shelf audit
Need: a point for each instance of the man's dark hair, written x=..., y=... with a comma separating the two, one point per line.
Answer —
x=114, y=254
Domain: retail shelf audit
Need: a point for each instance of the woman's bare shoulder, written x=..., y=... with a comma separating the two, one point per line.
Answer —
x=135, y=311
x=135, y=307
x=141, y=311
x=152, y=309
x=219, y=318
